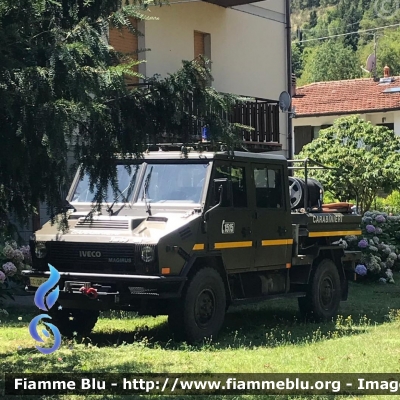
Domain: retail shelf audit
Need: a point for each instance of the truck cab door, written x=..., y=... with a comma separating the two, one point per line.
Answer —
x=230, y=226
x=272, y=217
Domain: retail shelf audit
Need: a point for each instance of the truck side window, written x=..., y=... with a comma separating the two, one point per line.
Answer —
x=239, y=192
x=268, y=183
x=237, y=175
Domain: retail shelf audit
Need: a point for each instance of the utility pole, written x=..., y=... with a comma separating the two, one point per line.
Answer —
x=376, y=60
x=289, y=77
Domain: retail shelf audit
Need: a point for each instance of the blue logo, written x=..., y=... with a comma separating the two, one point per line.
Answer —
x=44, y=301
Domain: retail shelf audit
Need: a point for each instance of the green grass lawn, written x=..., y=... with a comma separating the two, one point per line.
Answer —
x=263, y=338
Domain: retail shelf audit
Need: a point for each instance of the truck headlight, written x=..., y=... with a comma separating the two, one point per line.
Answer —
x=40, y=250
x=148, y=254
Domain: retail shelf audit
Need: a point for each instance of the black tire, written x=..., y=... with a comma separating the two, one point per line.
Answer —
x=200, y=313
x=324, y=294
x=74, y=322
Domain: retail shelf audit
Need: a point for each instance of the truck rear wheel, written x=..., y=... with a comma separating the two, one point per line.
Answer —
x=324, y=294
x=74, y=322
x=200, y=312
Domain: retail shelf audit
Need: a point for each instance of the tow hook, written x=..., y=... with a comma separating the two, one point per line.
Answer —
x=89, y=292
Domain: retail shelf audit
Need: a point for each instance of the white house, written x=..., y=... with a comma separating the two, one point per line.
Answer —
x=318, y=105
x=248, y=44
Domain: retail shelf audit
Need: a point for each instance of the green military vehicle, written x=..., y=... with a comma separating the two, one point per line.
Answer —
x=190, y=235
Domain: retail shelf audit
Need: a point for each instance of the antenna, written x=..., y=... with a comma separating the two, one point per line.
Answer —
x=365, y=70
x=371, y=61
x=285, y=103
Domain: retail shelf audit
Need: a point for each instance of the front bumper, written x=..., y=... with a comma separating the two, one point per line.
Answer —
x=114, y=291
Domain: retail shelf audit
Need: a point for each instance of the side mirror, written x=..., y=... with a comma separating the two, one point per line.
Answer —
x=222, y=196
x=222, y=191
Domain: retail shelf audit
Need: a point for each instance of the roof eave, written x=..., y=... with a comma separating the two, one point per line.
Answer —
x=347, y=112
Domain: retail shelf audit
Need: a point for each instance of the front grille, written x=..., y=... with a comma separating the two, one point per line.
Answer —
x=111, y=223
x=98, y=257
x=142, y=290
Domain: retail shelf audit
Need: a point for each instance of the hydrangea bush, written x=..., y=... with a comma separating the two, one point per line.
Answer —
x=380, y=245
x=13, y=260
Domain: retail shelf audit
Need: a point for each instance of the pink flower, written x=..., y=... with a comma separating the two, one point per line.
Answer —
x=26, y=251
x=370, y=229
x=361, y=270
x=10, y=269
x=8, y=251
x=2, y=277
x=18, y=256
x=363, y=243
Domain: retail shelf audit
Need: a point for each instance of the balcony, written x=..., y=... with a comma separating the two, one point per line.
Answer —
x=262, y=115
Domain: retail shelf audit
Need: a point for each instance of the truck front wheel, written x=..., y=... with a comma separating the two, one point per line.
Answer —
x=74, y=322
x=323, y=296
x=200, y=312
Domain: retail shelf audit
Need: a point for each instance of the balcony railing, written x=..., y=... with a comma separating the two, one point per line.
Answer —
x=262, y=115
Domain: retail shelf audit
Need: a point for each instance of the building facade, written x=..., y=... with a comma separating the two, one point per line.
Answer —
x=246, y=42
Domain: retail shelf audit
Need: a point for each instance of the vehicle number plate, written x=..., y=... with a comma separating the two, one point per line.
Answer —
x=36, y=282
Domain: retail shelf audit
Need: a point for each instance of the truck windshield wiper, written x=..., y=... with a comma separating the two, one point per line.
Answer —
x=121, y=194
x=146, y=191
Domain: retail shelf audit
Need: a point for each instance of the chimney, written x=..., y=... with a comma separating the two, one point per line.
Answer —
x=294, y=85
x=386, y=72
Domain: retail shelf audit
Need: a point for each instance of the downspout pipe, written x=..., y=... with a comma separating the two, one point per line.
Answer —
x=289, y=77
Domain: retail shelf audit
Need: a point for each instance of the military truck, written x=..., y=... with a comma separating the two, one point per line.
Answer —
x=191, y=234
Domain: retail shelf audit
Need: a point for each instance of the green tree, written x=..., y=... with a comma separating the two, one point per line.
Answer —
x=297, y=59
x=365, y=159
x=62, y=86
x=330, y=61
x=313, y=19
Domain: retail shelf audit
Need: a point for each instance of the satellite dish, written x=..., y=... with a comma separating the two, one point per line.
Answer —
x=371, y=62
x=285, y=101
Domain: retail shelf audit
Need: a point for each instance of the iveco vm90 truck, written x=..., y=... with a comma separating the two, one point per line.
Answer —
x=189, y=236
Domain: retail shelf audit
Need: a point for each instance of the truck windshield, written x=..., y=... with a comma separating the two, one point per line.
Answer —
x=126, y=182
x=173, y=183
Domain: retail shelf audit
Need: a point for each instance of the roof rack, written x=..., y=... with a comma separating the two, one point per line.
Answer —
x=252, y=147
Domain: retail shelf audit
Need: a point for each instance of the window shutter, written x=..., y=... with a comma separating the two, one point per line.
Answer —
x=126, y=42
x=199, y=47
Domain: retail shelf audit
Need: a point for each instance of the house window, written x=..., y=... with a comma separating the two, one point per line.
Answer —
x=202, y=44
x=389, y=126
x=316, y=130
x=126, y=42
